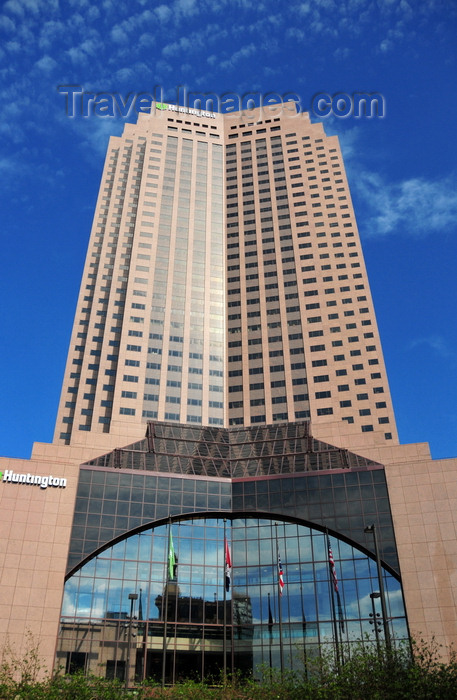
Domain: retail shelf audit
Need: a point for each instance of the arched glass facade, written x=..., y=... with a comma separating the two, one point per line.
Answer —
x=127, y=609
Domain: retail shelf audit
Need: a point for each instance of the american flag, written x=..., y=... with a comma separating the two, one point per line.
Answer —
x=335, y=584
x=332, y=566
x=280, y=576
x=228, y=566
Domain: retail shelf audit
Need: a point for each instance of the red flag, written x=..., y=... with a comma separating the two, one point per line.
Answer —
x=228, y=566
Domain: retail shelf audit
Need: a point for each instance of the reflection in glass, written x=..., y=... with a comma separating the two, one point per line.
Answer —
x=184, y=614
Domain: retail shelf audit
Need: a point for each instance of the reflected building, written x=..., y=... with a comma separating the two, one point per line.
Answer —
x=225, y=384
x=259, y=485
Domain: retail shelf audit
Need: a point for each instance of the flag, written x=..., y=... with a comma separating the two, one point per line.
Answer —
x=332, y=566
x=335, y=584
x=280, y=576
x=171, y=558
x=228, y=565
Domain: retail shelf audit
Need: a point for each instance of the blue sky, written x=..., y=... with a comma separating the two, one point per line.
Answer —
x=402, y=168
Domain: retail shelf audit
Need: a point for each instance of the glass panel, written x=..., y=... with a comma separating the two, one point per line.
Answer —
x=134, y=601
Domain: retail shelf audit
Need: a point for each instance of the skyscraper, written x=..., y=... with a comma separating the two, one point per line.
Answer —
x=225, y=285
x=225, y=390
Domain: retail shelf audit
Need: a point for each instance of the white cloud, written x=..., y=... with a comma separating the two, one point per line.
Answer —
x=7, y=24
x=295, y=33
x=95, y=133
x=177, y=47
x=186, y=7
x=124, y=75
x=13, y=47
x=119, y=35
x=93, y=13
x=146, y=40
x=46, y=64
x=239, y=56
x=385, y=46
x=163, y=13
x=436, y=343
x=14, y=7
x=414, y=207
x=50, y=32
x=8, y=165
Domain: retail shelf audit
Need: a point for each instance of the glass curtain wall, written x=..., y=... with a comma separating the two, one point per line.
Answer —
x=152, y=605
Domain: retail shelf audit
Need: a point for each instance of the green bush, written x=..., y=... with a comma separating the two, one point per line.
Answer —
x=364, y=675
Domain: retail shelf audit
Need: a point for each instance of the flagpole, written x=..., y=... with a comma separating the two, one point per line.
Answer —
x=270, y=630
x=165, y=609
x=224, y=638
x=174, y=563
x=142, y=632
x=335, y=625
x=330, y=581
x=281, y=646
x=305, y=653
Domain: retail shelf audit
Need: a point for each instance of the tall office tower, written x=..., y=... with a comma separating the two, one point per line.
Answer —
x=224, y=384
x=224, y=285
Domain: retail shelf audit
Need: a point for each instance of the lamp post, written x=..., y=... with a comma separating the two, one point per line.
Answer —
x=375, y=615
x=371, y=529
x=132, y=598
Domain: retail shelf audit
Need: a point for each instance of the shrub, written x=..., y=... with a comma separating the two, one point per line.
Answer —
x=365, y=674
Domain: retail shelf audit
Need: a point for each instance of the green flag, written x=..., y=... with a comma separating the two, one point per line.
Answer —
x=171, y=558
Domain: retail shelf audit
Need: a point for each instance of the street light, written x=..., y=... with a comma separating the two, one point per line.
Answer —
x=374, y=615
x=132, y=598
x=372, y=529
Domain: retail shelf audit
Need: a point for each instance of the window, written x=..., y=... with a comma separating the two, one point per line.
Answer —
x=127, y=411
x=322, y=394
